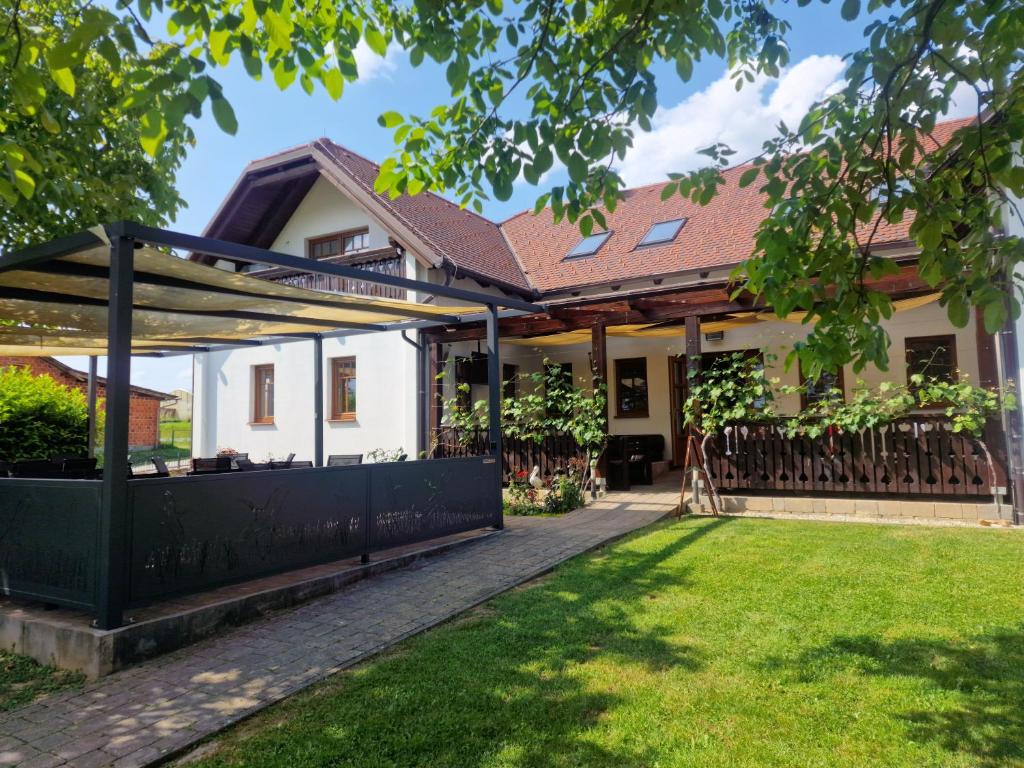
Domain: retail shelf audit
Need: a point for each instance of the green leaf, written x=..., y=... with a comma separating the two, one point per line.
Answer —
x=64, y=80
x=376, y=40
x=390, y=120
x=334, y=83
x=850, y=9
x=25, y=183
x=748, y=176
x=224, y=114
x=578, y=168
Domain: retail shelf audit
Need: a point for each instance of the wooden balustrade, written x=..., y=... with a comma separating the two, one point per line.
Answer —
x=912, y=457
x=331, y=283
x=518, y=455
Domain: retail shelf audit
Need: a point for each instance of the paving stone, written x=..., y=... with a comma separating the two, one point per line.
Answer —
x=142, y=715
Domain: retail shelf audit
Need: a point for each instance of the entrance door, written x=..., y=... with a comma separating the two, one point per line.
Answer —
x=677, y=396
x=679, y=390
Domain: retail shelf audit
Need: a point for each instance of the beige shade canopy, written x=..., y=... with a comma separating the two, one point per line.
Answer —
x=60, y=306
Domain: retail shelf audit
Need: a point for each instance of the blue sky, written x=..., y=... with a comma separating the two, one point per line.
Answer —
x=692, y=115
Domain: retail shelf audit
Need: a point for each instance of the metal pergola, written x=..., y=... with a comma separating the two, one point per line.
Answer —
x=126, y=293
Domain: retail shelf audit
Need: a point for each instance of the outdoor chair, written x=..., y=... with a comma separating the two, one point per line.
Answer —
x=344, y=459
x=78, y=468
x=38, y=468
x=161, y=467
x=235, y=458
x=211, y=466
x=285, y=464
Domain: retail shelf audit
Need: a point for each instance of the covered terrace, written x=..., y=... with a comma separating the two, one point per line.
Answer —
x=107, y=545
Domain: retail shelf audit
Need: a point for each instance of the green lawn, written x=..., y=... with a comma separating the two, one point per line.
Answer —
x=178, y=433
x=22, y=680
x=731, y=642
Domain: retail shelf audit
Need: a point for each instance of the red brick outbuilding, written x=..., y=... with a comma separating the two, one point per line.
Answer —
x=143, y=413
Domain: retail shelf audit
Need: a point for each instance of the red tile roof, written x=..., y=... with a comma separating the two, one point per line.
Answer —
x=526, y=253
x=718, y=234
x=473, y=243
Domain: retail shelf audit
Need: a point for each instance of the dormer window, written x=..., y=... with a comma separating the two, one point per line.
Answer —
x=339, y=244
x=662, y=232
x=589, y=245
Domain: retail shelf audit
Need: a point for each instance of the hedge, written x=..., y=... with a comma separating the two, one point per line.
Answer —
x=39, y=417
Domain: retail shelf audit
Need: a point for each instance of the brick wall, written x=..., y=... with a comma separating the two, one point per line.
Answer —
x=143, y=410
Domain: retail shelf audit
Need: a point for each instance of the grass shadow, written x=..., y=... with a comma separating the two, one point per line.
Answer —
x=982, y=678
x=523, y=683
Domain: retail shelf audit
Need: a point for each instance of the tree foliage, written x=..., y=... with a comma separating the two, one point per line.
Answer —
x=40, y=418
x=545, y=81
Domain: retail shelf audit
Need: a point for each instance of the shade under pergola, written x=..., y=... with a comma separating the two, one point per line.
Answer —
x=59, y=306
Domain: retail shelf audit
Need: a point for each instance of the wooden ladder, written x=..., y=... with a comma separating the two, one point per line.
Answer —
x=694, y=454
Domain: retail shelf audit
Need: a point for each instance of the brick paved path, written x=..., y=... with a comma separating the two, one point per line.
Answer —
x=146, y=713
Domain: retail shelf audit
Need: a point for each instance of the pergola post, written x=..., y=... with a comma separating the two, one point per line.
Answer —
x=113, y=540
x=599, y=360
x=692, y=326
x=494, y=402
x=90, y=400
x=318, y=401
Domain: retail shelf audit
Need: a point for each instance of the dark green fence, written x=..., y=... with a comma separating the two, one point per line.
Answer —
x=48, y=540
x=189, y=534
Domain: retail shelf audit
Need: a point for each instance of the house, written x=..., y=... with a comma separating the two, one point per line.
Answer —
x=631, y=304
x=178, y=407
x=144, y=412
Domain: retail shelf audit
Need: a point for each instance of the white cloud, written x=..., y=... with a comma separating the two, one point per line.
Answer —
x=372, y=66
x=742, y=119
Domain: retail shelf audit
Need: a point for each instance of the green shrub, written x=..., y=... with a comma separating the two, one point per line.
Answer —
x=39, y=417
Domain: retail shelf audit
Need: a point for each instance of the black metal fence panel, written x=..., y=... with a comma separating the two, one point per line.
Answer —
x=48, y=540
x=194, y=533
x=421, y=500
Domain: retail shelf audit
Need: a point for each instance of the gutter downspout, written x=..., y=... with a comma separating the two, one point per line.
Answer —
x=421, y=390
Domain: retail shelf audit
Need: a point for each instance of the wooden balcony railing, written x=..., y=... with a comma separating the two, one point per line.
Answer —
x=916, y=456
x=390, y=264
x=518, y=455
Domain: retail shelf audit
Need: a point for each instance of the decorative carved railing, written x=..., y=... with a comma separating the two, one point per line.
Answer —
x=912, y=457
x=390, y=265
x=518, y=455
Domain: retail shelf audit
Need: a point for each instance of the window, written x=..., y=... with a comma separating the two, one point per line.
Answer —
x=509, y=380
x=934, y=357
x=662, y=232
x=822, y=388
x=631, y=388
x=343, y=389
x=263, y=394
x=589, y=245
x=339, y=244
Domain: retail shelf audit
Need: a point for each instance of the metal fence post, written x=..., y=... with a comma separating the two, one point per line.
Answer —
x=318, y=401
x=113, y=540
x=90, y=397
x=494, y=404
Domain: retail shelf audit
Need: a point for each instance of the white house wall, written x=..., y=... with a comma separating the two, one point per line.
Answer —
x=385, y=399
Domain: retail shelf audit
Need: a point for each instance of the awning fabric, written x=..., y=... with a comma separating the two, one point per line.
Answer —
x=59, y=307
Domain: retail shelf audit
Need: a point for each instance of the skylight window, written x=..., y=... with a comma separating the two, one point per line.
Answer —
x=589, y=245
x=662, y=232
